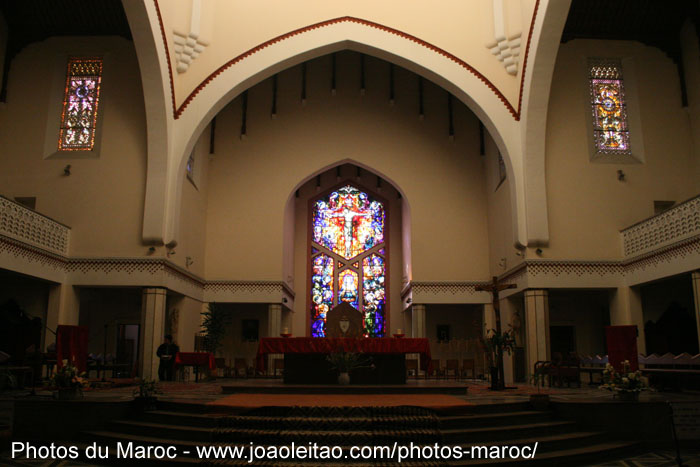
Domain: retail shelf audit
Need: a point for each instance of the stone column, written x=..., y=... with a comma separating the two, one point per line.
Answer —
x=626, y=308
x=62, y=308
x=152, y=325
x=418, y=321
x=695, y=276
x=274, y=328
x=537, y=327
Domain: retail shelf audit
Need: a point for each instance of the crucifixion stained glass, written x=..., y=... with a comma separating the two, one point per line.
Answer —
x=80, y=102
x=348, y=258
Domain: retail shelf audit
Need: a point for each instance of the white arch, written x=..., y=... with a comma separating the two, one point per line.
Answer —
x=547, y=31
x=465, y=85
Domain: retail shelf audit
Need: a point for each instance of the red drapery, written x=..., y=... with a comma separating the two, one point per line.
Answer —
x=196, y=358
x=622, y=345
x=72, y=345
x=329, y=345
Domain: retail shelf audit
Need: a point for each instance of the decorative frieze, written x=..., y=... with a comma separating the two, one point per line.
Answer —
x=678, y=223
x=28, y=226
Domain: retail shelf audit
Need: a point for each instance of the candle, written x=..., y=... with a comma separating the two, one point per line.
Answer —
x=285, y=331
x=398, y=331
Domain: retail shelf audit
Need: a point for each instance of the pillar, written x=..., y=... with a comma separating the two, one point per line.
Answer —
x=695, y=276
x=418, y=321
x=507, y=309
x=152, y=325
x=626, y=308
x=537, y=327
x=62, y=308
x=274, y=327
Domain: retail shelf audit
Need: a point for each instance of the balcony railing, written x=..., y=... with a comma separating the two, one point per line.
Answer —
x=679, y=223
x=28, y=226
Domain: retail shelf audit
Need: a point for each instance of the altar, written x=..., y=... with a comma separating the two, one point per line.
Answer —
x=305, y=358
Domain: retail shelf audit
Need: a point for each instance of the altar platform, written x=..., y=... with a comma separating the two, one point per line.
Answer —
x=277, y=386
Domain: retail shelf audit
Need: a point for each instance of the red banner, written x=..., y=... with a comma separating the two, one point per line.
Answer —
x=327, y=345
x=622, y=345
x=72, y=345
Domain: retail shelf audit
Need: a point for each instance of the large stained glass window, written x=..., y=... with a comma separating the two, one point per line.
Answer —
x=80, y=101
x=348, y=262
x=610, y=131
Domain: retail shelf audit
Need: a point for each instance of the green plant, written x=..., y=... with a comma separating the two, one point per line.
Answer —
x=147, y=388
x=216, y=318
x=623, y=381
x=500, y=342
x=345, y=362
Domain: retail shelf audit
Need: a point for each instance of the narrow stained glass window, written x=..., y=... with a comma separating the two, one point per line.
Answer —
x=80, y=101
x=610, y=130
x=349, y=224
x=190, y=166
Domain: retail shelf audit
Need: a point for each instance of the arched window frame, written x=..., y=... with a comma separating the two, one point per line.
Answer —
x=381, y=250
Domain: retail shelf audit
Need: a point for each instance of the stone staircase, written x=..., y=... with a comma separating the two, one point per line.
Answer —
x=186, y=426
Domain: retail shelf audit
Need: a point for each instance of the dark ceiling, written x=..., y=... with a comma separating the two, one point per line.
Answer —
x=652, y=22
x=31, y=21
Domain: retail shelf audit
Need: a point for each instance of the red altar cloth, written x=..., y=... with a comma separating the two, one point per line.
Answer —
x=622, y=345
x=72, y=345
x=329, y=345
x=196, y=358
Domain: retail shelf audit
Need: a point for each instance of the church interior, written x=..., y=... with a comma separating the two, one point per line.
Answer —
x=484, y=200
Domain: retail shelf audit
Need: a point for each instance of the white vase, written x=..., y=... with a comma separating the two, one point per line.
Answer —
x=344, y=379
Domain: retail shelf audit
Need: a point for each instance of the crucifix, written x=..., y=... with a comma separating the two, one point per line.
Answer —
x=494, y=287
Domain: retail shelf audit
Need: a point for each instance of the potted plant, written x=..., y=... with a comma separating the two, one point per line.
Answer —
x=68, y=382
x=539, y=401
x=345, y=362
x=496, y=344
x=145, y=395
x=625, y=385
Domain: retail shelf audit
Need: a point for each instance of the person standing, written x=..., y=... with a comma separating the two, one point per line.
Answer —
x=166, y=352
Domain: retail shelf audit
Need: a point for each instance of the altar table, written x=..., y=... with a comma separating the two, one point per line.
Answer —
x=309, y=353
x=195, y=360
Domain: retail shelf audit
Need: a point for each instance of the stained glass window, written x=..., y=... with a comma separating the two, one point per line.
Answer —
x=190, y=166
x=610, y=130
x=80, y=102
x=348, y=230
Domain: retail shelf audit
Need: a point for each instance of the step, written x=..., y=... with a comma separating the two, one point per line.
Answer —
x=493, y=419
x=194, y=433
x=512, y=432
x=595, y=453
x=498, y=407
x=331, y=423
x=181, y=418
x=553, y=442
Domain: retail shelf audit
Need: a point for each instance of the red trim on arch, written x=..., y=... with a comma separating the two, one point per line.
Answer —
x=178, y=111
x=167, y=55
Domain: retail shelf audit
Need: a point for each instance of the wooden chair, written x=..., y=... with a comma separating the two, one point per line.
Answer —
x=412, y=366
x=436, y=370
x=240, y=364
x=278, y=366
x=222, y=370
x=452, y=365
x=468, y=364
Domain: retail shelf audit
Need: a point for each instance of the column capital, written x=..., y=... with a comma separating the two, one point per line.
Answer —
x=536, y=292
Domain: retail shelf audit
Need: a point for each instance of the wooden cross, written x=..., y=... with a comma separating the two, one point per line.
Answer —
x=495, y=287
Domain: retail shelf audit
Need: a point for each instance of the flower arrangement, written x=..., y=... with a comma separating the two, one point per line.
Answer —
x=68, y=377
x=147, y=388
x=345, y=362
x=625, y=381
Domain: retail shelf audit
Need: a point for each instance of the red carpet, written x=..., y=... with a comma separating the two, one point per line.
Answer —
x=430, y=401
